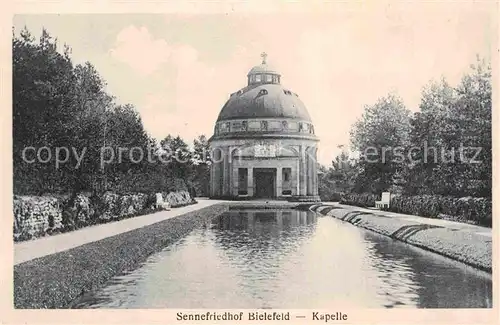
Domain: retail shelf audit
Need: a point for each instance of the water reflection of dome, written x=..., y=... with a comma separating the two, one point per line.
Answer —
x=258, y=222
x=269, y=232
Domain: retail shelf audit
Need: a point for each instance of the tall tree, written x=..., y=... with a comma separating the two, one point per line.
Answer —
x=177, y=156
x=201, y=165
x=430, y=132
x=42, y=110
x=452, y=125
x=381, y=136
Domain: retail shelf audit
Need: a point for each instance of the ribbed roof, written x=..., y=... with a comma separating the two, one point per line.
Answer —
x=262, y=68
x=253, y=102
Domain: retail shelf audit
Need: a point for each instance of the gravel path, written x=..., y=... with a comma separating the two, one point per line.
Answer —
x=28, y=250
x=55, y=280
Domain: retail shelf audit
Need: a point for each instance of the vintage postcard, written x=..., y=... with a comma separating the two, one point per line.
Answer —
x=262, y=163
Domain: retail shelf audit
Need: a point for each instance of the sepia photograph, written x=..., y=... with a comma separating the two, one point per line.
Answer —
x=242, y=165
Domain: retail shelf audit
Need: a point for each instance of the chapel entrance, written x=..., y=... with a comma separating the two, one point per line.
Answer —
x=264, y=182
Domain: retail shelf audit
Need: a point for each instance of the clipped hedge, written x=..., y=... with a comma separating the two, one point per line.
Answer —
x=466, y=209
x=361, y=200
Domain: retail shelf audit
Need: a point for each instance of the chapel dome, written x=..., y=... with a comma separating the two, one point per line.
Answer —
x=264, y=101
x=264, y=97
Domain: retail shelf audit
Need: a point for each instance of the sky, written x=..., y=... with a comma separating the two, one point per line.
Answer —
x=178, y=70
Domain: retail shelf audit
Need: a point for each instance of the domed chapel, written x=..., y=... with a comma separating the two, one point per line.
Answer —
x=264, y=144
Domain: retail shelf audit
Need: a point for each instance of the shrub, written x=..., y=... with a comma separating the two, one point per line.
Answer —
x=336, y=197
x=467, y=209
x=360, y=200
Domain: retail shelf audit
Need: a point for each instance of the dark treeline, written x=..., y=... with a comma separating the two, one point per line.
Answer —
x=57, y=104
x=420, y=154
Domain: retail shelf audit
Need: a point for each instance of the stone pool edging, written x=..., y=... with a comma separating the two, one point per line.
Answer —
x=57, y=280
x=460, y=245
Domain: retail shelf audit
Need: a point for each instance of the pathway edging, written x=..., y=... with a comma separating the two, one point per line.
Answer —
x=56, y=280
x=462, y=244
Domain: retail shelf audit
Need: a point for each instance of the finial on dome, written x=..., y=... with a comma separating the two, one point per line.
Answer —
x=264, y=57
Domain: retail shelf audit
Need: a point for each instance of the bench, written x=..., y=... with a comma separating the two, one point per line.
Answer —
x=384, y=202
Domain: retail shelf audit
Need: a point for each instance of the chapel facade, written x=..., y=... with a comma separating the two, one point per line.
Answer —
x=264, y=145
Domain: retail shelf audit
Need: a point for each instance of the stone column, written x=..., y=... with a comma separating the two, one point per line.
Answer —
x=250, y=181
x=211, y=180
x=279, y=181
x=217, y=170
x=235, y=180
x=219, y=178
x=296, y=177
x=315, y=178
x=303, y=171
x=215, y=183
x=226, y=173
x=310, y=172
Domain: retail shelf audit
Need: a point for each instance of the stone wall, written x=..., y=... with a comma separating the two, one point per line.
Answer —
x=39, y=216
x=114, y=206
x=35, y=216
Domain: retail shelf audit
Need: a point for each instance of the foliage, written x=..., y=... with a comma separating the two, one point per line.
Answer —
x=435, y=168
x=465, y=209
x=379, y=136
x=338, y=179
x=201, y=169
x=436, y=145
x=360, y=200
x=454, y=123
x=57, y=104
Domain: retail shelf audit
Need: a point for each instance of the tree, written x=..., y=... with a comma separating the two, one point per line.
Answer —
x=201, y=152
x=201, y=165
x=58, y=105
x=472, y=117
x=381, y=136
x=451, y=124
x=177, y=156
x=430, y=133
x=42, y=110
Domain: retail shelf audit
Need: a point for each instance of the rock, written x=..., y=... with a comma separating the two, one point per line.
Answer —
x=37, y=216
x=180, y=198
x=34, y=216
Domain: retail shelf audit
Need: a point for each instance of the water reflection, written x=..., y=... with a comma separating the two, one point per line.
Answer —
x=265, y=233
x=291, y=259
x=415, y=277
x=258, y=245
